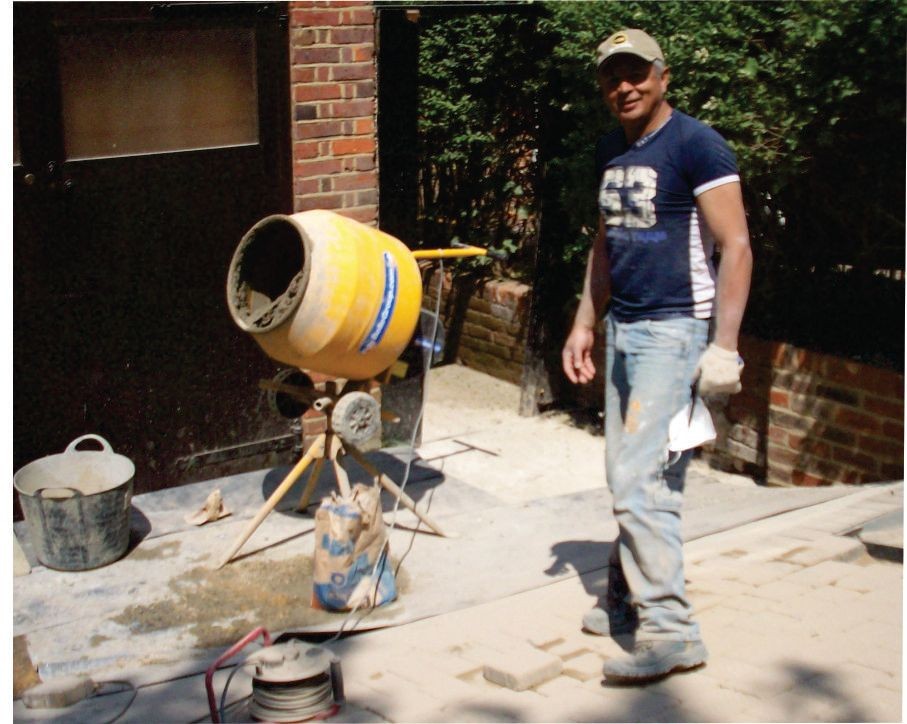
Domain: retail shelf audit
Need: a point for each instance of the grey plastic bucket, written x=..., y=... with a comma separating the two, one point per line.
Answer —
x=76, y=505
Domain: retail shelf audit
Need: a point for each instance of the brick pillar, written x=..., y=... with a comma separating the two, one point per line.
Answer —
x=332, y=76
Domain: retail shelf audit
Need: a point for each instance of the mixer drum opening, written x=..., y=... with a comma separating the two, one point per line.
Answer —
x=268, y=274
x=322, y=292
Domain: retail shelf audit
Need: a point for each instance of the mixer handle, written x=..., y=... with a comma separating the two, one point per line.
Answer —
x=458, y=250
x=498, y=254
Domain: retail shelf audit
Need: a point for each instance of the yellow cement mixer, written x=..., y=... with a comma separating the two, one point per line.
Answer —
x=322, y=292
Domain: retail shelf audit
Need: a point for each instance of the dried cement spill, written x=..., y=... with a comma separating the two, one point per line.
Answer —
x=221, y=606
x=170, y=549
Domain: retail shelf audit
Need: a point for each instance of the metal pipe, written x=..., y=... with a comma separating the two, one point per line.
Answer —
x=454, y=253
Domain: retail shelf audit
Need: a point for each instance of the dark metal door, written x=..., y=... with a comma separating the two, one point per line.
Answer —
x=149, y=138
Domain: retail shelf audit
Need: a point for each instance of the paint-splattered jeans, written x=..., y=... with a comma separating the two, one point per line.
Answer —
x=649, y=368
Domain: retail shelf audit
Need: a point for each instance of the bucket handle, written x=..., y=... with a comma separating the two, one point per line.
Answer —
x=105, y=446
x=45, y=492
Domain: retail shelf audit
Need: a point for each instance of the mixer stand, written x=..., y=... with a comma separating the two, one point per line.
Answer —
x=351, y=410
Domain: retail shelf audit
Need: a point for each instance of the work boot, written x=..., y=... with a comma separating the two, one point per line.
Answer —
x=621, y=619
x=655, y=659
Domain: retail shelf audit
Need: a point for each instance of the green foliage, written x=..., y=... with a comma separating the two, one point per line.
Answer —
x=478, y=129
x=789, y=84
x=810, y=95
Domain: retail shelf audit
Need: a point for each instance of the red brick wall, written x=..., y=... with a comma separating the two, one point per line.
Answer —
x=485, y=323
x=332, y=76
x=805, y=418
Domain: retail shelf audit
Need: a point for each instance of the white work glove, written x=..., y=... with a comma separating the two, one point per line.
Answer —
x=719, y=371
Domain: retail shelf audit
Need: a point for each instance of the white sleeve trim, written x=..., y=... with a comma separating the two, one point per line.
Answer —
x=717, y=182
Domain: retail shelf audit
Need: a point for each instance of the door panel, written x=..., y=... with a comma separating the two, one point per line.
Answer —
x=126, y=215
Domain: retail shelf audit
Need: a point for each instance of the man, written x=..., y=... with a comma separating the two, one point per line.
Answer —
x=669, y=192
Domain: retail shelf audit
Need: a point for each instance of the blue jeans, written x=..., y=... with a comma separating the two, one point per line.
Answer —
x=649, y=368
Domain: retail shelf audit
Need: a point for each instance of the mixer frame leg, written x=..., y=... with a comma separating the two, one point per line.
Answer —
x=327, y=446
x=393, y=489
x=310, y=485
x=315, y=451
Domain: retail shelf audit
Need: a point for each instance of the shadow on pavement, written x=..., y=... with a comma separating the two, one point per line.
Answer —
x=421, y=481
x=588, y=558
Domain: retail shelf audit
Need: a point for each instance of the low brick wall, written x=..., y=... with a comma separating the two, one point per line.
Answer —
x=485, y=323
x=805, y=418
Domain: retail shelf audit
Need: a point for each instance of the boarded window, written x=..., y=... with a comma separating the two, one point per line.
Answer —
x=128, y=91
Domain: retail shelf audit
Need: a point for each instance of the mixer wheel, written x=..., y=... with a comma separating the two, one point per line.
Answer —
x=356, y=417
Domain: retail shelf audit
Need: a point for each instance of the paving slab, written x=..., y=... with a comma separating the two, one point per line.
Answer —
x=522, y=667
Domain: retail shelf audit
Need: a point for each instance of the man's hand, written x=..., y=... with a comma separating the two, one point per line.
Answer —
x=719, y=371
x=577, y=355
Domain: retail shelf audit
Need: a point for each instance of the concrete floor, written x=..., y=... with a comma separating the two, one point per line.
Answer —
x=793, y=609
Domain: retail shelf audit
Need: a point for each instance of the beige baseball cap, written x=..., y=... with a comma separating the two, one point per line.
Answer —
x=632, y=41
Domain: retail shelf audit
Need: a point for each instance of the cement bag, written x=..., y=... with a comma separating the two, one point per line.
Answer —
x=349, y=538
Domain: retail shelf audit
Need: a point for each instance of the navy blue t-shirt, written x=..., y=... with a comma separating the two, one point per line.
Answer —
x=660, y=254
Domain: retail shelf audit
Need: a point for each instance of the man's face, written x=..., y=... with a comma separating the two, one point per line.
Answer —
x=631, y=88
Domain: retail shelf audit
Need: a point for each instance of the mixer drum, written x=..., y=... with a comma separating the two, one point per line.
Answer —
x=322, y=292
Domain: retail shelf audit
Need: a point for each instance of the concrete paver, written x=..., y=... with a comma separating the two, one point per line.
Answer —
x=393, y=698
x=703, y=698
x=778, y=591
x=568, y=690
x=824, y=573
x=753, y=679
x=499, y=704
x=431, y=672
x=761, y=573
x=627, y=703
x=522, y=668
x=864, y=580
x=585, y=666
x=749, y=603
x=838, y=548
x=699, y=580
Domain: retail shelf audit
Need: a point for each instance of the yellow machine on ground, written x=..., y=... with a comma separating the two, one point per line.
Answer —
x=324, y=293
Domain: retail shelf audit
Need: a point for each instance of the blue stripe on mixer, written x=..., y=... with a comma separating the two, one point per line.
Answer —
x=387, y=305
